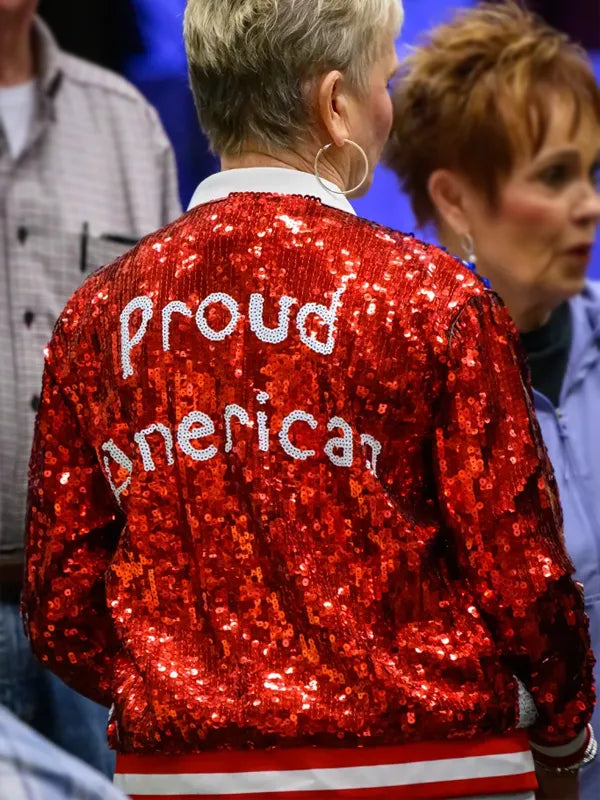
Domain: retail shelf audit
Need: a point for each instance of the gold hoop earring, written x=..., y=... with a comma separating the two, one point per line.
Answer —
x=340, y=191
x=468, y=247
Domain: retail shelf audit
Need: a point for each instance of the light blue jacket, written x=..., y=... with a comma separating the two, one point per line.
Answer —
x=32, y=768
x=572, y=436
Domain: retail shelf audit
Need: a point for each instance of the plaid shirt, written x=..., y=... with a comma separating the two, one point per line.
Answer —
x=31, y=768
x=97, y=174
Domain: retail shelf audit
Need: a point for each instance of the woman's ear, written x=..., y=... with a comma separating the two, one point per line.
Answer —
x=449, y=194
x=333, y=107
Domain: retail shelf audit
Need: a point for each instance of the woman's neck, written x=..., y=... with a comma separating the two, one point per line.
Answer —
x=528, y=310
x=290, y=159
x=528, y=314
x=16, y=51
x=530, y=319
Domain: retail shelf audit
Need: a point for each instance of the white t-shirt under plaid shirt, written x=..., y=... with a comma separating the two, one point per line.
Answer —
x=95, y=174
x=17, y=111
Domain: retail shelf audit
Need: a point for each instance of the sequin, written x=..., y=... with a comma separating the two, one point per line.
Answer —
x=287, y=488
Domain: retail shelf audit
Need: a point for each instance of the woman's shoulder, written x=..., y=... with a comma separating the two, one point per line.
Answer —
x=432, y=270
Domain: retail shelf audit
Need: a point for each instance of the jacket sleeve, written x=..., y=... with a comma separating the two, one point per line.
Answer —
x=73, y=527
x=500, y=502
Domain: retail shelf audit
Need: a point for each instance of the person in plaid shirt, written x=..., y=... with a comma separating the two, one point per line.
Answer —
x=85, y=171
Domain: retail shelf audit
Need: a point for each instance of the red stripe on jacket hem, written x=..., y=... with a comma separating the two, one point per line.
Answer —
x=232, y=761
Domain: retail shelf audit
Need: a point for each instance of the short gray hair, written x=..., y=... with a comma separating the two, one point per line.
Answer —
x=250, y=61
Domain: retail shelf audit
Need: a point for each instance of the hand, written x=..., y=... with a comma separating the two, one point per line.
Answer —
x=558, y=785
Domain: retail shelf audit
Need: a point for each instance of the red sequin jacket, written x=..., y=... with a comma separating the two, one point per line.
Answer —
x=287, y=488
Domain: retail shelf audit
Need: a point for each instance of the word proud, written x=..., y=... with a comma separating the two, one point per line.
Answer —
x=326, y=314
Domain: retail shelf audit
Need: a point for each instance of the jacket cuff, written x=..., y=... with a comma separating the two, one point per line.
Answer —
x=566, y=756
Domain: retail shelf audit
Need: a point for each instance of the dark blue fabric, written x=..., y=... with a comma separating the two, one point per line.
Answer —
x=41, y=700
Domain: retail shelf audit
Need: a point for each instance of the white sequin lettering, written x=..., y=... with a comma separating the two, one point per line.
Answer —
x=122, y=460
x=144, y=448
x=127, y=343
x=376, y=449
x=175, y=307
x=257, y=325
x=203, y=326
x=284, y=434
x=344, y=443
x=328, y=316
x=242, y=416
x=186, y=434
x=263, y=429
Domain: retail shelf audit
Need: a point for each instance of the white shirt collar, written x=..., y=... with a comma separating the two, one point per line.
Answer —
x=274, y=180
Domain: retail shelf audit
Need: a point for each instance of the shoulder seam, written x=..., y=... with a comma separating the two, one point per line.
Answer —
x=463, y=307
x=101, y=79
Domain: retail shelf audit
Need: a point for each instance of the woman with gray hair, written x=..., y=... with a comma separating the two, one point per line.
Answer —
x=289, y=510
x=274, y=80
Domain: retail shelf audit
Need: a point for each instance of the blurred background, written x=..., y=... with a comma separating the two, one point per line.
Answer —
x=142, y=39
